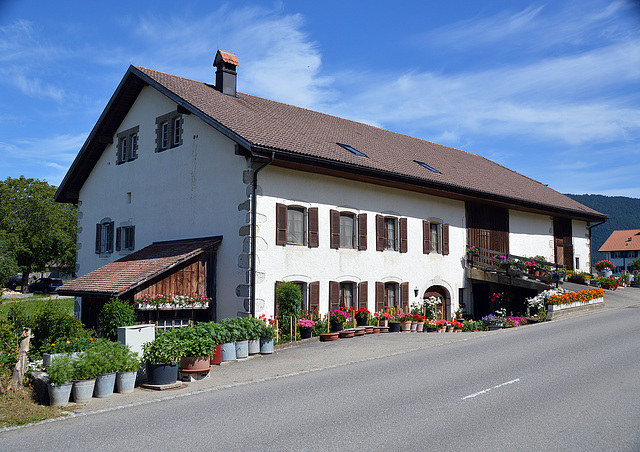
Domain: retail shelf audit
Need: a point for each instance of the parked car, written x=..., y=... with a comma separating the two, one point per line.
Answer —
x=47, y=285
x=14, y=281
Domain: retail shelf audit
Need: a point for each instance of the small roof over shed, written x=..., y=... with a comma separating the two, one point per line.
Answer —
x=134, y=270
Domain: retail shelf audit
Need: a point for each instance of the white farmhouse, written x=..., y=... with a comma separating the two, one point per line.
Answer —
x=354, y=214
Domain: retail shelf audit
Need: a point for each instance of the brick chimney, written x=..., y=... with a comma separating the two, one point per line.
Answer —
x=226, y=75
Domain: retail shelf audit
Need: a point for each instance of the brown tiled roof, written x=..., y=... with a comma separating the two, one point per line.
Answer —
x=624, y=240
x=299, y=135
x=121, y=276
x=281, y=127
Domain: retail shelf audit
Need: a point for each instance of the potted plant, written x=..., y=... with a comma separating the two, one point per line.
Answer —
x=605, y=268
x=60, y=374
x=362, y=316
x=254, y=326
x=128, y=364
x=306, y=327
x=215, y=331
x=85, y=369
x=337, y=317
x=161, y=357
x=105, y=356
x=197, y=348
x=267, y=335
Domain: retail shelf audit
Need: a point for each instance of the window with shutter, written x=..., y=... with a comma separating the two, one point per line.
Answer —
x=404, y=296
x=334, y=295
x=379, y=296
x=362, y=231
x=363, y=295
x=314, y=297
x=403, y=235
x=118, y=234
x=347, y=230
x=334, y=229
x=281, y=224
x=426, y=237
x=313, y=227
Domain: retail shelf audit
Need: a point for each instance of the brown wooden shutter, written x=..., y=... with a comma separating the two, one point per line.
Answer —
x=334, y=226
x=314, y=297
x=403, y=235
x=281, y=224
x=276, y=307
x=445, y=238
x=426, y=237
x=110, y=237
x=98, y=236
x=334, y=295
x=362, y=231
x=379, y=233
x=313, y=227
x=363, y=295
x=118, y=238
x=379, y=296
x=404, y=296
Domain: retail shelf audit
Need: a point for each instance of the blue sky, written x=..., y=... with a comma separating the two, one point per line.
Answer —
x=551, y=90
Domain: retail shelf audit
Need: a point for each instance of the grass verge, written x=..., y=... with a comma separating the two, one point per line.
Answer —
x=20, y=408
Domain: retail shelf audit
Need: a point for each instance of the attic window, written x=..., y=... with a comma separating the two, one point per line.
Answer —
x=352, y=149
x=427, y=167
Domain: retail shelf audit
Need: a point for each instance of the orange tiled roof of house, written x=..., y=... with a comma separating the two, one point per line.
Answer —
x=623, y=240
x=129, y=272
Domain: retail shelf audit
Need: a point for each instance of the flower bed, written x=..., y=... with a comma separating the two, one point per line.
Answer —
x=573, y=297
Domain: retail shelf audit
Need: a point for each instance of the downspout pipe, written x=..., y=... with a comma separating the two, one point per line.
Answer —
x=254, y=233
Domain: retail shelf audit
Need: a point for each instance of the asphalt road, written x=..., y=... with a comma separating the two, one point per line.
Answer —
x=568, y=385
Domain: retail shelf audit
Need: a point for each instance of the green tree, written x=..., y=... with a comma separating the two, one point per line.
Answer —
x=39, y=231
x=635, y=265
x=8, y=264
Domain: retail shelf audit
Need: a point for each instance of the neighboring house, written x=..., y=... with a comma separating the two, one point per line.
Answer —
x=622, y=248
x=353, y=214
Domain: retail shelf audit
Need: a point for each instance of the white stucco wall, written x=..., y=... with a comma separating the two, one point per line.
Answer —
x=531, y=235
x=189, y=191
x=581, y=242
x=324, y=264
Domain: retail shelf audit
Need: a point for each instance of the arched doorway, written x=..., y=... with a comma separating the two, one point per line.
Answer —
x=444, y=309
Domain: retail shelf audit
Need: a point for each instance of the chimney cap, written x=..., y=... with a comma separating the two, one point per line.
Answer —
x=226, y=57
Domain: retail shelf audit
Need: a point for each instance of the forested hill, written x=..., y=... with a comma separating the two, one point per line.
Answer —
x=624, y=213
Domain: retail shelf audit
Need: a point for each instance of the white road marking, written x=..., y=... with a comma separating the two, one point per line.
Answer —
x=484, y=391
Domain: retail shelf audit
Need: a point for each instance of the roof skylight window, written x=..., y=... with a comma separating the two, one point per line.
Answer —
x=352, y=149
x=427, y=167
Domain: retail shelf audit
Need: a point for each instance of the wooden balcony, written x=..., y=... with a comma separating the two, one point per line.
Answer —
x=489, y=266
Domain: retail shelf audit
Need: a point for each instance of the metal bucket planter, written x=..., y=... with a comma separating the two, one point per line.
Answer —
x=242, y=349
x=162, y=373
x=266, y=345
x=59, y=394
x=228, y=351
x=83, y=390
x=254, y=346
x=126, y=381
x=105, y=383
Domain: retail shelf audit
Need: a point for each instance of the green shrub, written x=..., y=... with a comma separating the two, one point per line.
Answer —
x=51, y=322
x=289, y=299
x=126, y=359
x=9, y=342
x=114, y=314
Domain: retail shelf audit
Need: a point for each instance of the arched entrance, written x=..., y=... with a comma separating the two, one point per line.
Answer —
x=444, y=309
